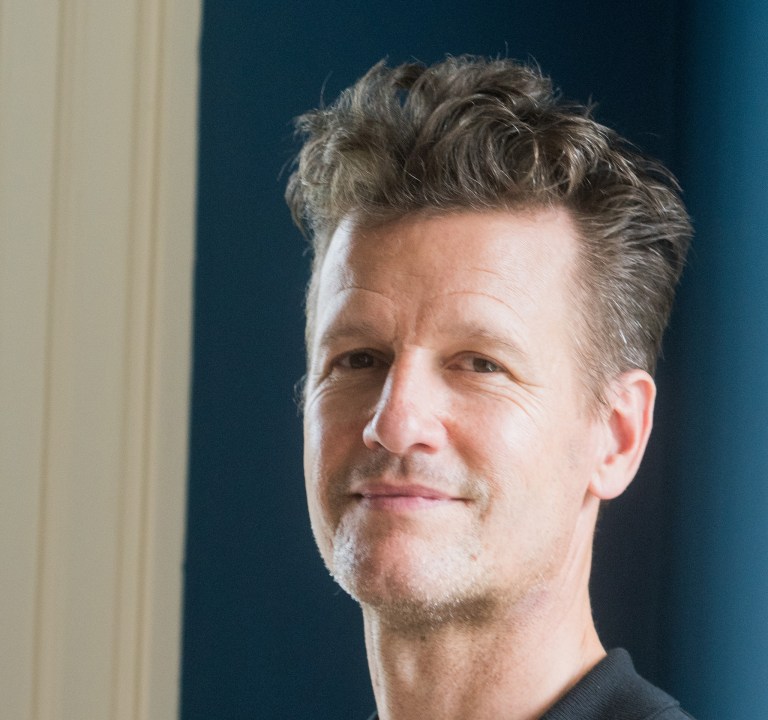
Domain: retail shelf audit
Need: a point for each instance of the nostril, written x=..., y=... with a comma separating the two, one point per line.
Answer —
x=370, y=438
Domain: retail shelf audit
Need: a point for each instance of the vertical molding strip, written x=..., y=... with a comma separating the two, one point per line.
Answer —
x=28, y=88
x=140, y=307
x=47, y=638
x=176, y=106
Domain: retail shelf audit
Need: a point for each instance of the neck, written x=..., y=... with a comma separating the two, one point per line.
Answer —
x=514, y=662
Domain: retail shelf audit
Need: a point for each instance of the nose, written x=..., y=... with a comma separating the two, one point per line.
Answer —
x=407, y=417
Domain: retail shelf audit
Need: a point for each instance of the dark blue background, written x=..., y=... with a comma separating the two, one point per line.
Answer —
x=266, y=633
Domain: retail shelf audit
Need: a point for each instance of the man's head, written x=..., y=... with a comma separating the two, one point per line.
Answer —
x=475, y=134
x=491, y=267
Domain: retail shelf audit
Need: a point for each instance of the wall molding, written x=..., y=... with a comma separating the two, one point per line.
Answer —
x=98, y=108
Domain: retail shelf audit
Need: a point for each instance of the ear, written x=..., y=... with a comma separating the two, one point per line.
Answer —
x=627, y=426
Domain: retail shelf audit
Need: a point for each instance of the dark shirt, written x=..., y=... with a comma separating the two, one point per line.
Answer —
x=613, y=690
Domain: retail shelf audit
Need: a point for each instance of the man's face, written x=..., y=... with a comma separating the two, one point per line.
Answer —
x=448, y=441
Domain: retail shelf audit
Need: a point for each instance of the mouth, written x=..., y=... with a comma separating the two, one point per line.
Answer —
x=403, y=498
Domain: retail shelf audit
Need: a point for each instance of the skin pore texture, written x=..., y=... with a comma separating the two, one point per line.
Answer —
x=455, y=462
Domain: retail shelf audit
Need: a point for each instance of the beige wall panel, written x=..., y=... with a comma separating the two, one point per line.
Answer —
x=87, y=361
x=98, y=105
x=26, y=171
x=171, y=367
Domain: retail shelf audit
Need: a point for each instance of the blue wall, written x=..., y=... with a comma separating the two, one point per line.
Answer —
x=716, y=620
x=677, y=576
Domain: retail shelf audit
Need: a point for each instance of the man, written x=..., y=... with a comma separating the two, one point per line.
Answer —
x=493, y=271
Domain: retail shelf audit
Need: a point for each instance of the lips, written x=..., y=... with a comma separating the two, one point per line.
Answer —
x=402, y=497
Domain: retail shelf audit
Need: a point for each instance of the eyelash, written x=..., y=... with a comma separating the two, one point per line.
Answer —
x=479, y=359
x=346, y=358
x=375, y=360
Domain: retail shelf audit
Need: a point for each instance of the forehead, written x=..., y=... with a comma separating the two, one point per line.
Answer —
x=500, y=250
x=469, y=263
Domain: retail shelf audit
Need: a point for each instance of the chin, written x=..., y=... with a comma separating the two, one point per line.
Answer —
x=411, y=584
x=408, y=609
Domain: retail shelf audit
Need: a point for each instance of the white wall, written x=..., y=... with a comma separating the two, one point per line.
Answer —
x=98, y=106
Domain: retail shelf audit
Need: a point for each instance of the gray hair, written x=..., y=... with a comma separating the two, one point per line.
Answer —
x=479, y=134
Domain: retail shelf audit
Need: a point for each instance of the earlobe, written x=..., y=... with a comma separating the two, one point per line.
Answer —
x=627, y=427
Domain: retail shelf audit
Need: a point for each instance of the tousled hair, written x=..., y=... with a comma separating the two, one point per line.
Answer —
x=479, y=134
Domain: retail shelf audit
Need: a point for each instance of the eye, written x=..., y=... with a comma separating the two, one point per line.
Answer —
x=359, y=360
x=477, y=364
x=483, y=365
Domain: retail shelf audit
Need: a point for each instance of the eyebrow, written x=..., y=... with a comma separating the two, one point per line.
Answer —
x=461, y=330
x=470, y=331
x=347, y=330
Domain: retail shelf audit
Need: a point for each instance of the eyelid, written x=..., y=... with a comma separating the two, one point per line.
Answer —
x=469, y=357
x=378, y=357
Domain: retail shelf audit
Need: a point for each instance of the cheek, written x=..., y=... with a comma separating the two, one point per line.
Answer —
x=332, y=438
x=500, y=438
x=525, y=458
x=334, y=421
x=318, y=459
x=318, y=498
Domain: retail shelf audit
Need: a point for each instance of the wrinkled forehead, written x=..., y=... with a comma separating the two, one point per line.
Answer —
x=538, y=239
x=519, y=257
